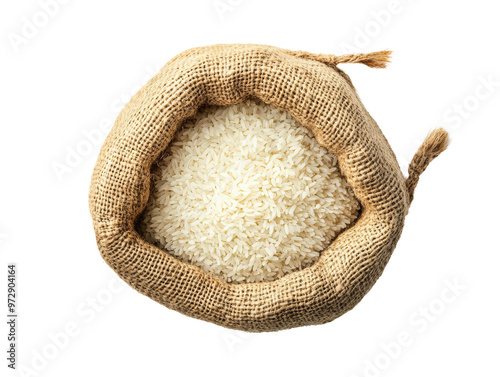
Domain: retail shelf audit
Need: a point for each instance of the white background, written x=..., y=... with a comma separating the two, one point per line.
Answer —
x=69, y=75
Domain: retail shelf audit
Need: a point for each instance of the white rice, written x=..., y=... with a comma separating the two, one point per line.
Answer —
x=247, y=193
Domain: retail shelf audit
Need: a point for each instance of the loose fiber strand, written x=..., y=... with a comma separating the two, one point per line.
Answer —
x=377, y=59
x=434, y=144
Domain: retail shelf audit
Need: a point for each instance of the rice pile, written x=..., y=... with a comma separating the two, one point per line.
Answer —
x=247, y=193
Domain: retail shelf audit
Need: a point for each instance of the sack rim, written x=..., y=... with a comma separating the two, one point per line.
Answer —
x=115, y=223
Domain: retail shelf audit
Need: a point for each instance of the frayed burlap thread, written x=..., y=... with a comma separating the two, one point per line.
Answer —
x=320, y=96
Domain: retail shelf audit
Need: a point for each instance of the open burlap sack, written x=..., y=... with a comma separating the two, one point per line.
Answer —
x=320, y=96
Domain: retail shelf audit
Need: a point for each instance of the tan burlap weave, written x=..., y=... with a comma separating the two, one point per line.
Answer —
x=318, y=95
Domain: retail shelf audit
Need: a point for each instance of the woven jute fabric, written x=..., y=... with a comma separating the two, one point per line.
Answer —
x=320, y=96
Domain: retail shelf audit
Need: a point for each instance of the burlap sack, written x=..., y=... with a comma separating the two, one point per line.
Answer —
x=320, y=96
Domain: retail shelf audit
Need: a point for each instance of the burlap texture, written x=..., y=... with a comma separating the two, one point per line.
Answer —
x=318, y=95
